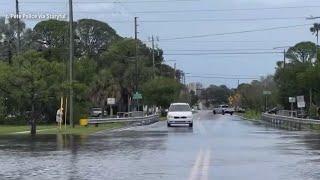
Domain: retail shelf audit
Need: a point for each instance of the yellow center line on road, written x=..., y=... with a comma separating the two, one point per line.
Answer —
x=206, y=165
x=200, y=169
x=196, y=166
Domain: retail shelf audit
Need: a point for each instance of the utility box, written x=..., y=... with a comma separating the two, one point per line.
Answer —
x=83, y=122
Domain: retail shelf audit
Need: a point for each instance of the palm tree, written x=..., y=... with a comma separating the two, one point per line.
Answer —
x=104, y=87
x=315, y=30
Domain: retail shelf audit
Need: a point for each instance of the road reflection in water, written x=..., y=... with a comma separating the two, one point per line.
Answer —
x=68, y=156
x=218, y=147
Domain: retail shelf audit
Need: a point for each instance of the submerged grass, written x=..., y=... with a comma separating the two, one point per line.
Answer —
x=252, y=115
x=53, y=129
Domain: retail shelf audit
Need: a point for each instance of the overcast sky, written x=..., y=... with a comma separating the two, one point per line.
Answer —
x=192, y=18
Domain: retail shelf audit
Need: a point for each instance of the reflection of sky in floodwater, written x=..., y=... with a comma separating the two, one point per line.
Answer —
x=239, y=150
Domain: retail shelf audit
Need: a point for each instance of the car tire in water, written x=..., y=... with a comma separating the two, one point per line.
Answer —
x=168, y=125
x=222, y=112
x=231, y=113
x=191, y=125
x=214, y=112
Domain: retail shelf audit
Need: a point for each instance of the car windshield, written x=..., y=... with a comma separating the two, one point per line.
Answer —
x=179, y=108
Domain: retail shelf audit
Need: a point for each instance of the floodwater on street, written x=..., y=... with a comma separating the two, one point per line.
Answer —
x=218, y=147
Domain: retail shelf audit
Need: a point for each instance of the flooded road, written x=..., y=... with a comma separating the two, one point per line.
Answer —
x=218, y=147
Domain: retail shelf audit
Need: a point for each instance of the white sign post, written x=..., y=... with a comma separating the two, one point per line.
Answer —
x=111, y=101
x=301, y=103
x=292, y=100
x=266, y=94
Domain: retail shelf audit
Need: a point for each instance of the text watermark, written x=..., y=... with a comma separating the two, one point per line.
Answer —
x=40, y=16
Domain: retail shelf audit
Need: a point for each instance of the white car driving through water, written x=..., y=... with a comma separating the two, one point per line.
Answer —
x=179, y=113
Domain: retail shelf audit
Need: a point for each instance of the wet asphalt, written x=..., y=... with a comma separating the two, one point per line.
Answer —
x=217, y=147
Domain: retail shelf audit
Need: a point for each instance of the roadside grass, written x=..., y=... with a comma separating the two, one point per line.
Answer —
x=252, y=115
x=10, y=129
x=52, y=129
x=163, y=118
x=83, y=130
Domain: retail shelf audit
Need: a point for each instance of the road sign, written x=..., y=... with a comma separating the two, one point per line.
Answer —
x=292, y=99
x=111, y=101
x=300, y=98
x=300, y=102
x=137, y=96
x=266, y=92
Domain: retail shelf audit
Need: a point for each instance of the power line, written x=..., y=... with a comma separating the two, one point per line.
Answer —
x=228, y=75
x=109, y=2
x=224, y=53
x=217, y=50
x=173, y=11
x=236, y=32
x=224, y=10
x=228, y=41
x=221, y=77
x=213, y=20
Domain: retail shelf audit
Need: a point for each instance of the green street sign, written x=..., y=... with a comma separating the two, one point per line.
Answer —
x=137, y=96
x=266, y=92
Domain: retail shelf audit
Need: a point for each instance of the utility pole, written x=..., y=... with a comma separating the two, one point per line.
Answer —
x=310, y=93
x=284, y=54
x=136, y=52
x=136, y=43
x=174, y=73
x=153, y=58
x=18, y=26
x=71, y=56
x=284, y=58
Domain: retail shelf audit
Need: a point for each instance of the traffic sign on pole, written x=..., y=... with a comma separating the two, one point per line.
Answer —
x=137, y=96
x=266, y=92
x=111, y=101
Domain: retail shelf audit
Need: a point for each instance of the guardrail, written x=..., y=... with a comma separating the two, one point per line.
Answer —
x=290, y=119
x=143, y=120
x=285, y=121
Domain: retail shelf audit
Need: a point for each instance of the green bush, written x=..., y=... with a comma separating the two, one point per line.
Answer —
x=252, y=114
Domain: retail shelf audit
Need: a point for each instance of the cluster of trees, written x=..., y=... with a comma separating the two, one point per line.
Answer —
x=34, y=79
x=215, y=95
x=298, y=76
x=250, y=95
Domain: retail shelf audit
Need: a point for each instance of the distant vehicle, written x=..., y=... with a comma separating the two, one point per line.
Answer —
x=96, y=112
x=223, y=109
x=179, y=113
x=273, y=110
